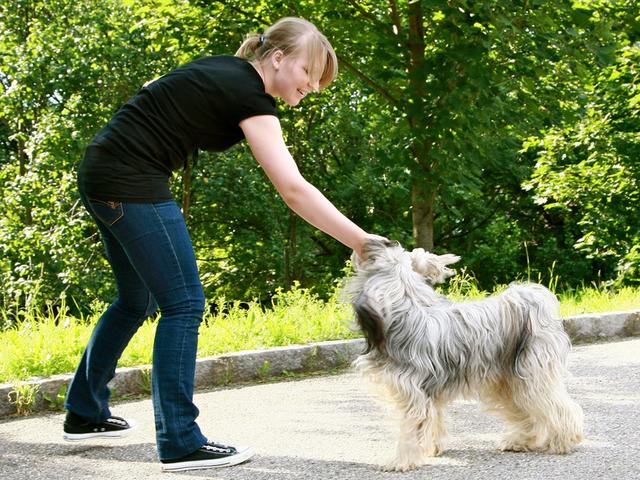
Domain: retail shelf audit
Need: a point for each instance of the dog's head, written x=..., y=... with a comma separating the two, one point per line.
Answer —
x=389, y=281
x=383, y=254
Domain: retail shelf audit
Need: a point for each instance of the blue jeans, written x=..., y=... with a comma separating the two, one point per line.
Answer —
x=152, y=258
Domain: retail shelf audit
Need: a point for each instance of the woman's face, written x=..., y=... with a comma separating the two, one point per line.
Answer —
x=291, y=80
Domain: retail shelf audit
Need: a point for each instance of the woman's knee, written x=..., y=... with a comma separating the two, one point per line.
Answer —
x=198, y=303
x=139, y=306
x=188, y=303
x=152, y=306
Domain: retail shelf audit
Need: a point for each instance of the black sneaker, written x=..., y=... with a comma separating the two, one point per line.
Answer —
x=210, y=455
x=76, y=428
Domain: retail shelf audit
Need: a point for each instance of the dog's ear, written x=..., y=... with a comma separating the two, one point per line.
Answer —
x=370, y=322
x=433, y=267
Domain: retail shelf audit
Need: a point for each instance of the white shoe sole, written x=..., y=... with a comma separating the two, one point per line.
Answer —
x=78, y=437
x=244, y=454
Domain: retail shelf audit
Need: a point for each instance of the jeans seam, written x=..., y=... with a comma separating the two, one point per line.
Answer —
x=186, y=291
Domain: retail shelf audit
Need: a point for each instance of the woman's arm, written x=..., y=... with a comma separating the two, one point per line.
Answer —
x=264, y=135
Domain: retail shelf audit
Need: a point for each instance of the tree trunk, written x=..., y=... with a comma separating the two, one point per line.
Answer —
x=187, y=174
x=22, y=172
x=422, y=202
x=423, y=187
x=290, y=251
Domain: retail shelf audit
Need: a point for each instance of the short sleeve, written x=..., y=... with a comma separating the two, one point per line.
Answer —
x=253, y=102
x=248, y=96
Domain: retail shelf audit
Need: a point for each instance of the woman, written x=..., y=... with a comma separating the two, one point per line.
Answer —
x=211, y=103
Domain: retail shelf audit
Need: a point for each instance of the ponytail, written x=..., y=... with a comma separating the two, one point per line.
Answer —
x=248, y=48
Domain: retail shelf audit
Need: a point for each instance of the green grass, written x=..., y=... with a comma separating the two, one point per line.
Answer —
x=41, y=345
x=592, y=300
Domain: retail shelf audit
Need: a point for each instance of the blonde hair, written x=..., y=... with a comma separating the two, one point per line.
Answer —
x=294, y=36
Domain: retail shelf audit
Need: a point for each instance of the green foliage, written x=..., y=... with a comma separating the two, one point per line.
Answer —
x=489, y=73
x=51, y=344
x=509, y=123
x=56, y=401
x=23, y=396
x=68, y=66
x=587, y=172
x=43, y=345
x=588, y=300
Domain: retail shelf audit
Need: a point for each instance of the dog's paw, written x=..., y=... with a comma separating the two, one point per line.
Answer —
x=394, y=467
x=399, y=466
x=514, y=446
x=434, y=450
x=560, y=445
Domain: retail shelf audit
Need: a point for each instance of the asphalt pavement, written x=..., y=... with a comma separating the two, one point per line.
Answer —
x=331, y=427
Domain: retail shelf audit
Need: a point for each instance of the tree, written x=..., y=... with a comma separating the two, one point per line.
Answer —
x=462, y=77
x=420, y=139
x=587, y=171
x=67, y=66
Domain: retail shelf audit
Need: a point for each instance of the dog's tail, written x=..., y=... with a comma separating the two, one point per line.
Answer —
x=370, y=322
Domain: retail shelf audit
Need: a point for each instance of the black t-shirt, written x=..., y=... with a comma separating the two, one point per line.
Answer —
x=197, y=106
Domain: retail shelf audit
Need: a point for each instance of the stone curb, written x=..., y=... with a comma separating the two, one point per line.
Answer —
x=276, y=362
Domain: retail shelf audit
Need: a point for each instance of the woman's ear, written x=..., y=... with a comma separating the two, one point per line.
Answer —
x=276, y=59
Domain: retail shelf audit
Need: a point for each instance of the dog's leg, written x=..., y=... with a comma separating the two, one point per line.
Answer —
x=520, y=432
x=499, y=398
x=415, y=439
x=433, y=431
x=563, y=420
x=554, y=423
x=408, y=451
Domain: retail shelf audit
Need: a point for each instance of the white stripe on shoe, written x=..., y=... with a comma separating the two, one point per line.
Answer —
x=242, y=455
x=97, y=431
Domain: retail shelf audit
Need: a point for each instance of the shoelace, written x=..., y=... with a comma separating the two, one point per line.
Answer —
x=116, y=421
x=217, y=448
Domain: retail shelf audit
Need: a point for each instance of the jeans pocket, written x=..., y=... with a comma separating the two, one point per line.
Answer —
x=107, y=212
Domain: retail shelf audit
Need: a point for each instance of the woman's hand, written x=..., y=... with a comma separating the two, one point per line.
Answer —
x=367, y=238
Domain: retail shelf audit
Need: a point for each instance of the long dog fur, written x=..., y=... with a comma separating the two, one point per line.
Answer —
x=508, y=350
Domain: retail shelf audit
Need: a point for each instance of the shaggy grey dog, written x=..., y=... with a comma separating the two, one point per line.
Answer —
x=509, y=351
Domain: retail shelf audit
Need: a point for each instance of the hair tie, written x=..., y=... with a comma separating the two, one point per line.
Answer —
x=261, y=41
